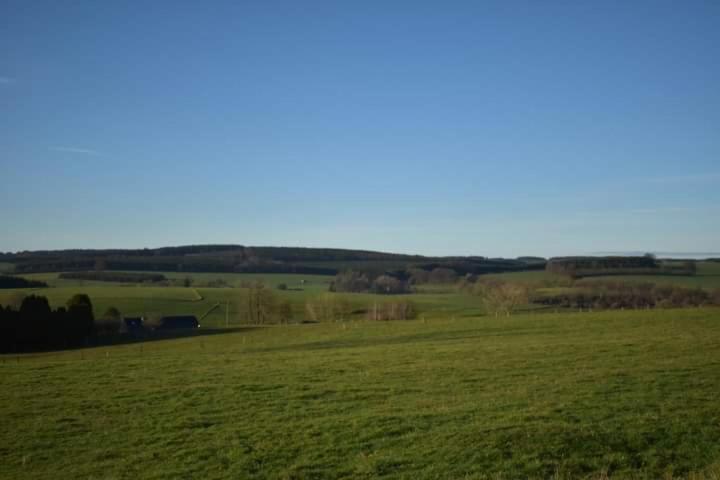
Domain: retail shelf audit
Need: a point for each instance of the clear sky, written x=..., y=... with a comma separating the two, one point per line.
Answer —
x=490, y=128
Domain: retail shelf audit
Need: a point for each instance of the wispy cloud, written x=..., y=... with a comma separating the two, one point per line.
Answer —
x=80, y=151
x=648, y=211
x=662, y=210
x=686, y=178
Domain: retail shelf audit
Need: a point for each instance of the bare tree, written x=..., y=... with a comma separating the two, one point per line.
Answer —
x=385, y=284
x=350, y=281
x=284, y=311
x=260, y=303
x=328, y=308
x=499, y=297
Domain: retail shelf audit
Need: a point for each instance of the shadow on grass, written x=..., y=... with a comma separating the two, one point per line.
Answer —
x=145, y=337
x=159, y=335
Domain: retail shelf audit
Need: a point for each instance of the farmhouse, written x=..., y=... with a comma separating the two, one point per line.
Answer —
x=133, y=324
x=178, y=321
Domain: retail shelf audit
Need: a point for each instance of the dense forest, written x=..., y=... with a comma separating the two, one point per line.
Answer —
x=242, y=259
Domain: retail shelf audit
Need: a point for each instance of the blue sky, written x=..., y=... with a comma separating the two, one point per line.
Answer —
x=490, y=128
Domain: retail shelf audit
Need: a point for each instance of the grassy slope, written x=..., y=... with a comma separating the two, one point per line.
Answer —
x=535, y=395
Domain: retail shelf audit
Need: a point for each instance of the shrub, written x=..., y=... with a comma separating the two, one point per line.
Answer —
x=614, y=294
x=715, y=296
x=385, y=284
x=80, y=310
x=443, y=275
x=499, y=297
x=418, y=276
x=350, y=281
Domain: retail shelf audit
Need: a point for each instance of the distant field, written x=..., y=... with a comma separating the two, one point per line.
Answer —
x=145, y=299
x=233, y=279
x=539, y=396
x=139, y=299
x=130, y=300
x=431, y=301
x=708, y=276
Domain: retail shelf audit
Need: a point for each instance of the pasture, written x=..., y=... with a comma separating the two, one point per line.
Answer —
x=453, y=394
x=148, y=300
x=630, y=394
x=224, y=306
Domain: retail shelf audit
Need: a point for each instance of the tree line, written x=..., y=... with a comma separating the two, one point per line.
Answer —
x=36, y=326
x=10, y=281
x=619, y=295
x=584, y=266
x=357, y=282
x=108, y=276
x=578, y=267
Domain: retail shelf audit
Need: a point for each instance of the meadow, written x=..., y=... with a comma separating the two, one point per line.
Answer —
x=224, y=306
x=452, y=394
x=147, y=299
x=628, y=394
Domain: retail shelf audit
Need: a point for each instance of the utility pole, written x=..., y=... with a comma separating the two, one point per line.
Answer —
x=227, y=307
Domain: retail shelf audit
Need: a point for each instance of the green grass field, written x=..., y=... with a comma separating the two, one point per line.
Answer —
x=147, y=300
x=432, y=301
x=629, y=394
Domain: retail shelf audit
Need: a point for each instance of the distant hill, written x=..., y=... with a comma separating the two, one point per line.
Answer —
x=246, y=259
